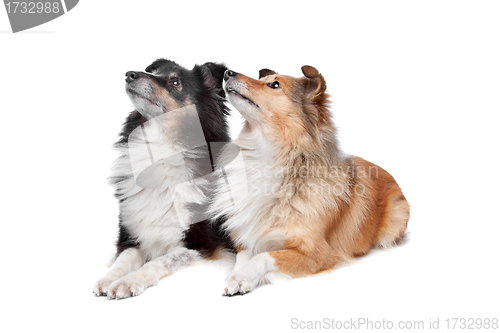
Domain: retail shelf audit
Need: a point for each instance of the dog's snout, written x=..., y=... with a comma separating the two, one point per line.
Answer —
x=131, y=76
x=229, y=73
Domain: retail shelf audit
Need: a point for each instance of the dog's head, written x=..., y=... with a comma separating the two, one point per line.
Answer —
x=166, y=86
x=279, y=105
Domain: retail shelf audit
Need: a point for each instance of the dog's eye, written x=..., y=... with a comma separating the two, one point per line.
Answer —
x=274, y=85
x=174, y=82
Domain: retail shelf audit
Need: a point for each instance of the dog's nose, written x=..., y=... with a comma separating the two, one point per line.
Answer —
x=131, y=76
x=229, y=73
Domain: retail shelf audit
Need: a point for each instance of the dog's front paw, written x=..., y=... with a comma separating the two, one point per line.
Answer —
x=128, y=286
x=237, y=284
x=101, y=287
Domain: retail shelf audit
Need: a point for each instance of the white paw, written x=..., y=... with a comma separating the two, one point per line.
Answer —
x=128, y=286
x=237, y=284
x=101, y=287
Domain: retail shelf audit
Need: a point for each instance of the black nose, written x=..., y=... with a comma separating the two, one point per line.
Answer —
x=229, y=73
x=131, y=76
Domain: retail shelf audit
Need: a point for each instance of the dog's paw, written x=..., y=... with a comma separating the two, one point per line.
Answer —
x=128, y=286
x=237, y=285
x=101, y=287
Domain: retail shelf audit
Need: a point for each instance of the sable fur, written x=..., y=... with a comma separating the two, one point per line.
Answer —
x=317, y=206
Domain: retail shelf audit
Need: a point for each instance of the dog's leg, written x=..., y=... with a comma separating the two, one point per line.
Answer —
x=245, y=277
x=287, y=262
x=242, y=258
x=128, y=261
x=136, y=282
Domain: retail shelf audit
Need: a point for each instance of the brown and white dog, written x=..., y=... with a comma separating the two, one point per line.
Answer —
x=296, y=205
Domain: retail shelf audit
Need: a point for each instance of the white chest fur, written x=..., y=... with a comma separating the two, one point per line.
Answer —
x=157, y=217
x=248, y=205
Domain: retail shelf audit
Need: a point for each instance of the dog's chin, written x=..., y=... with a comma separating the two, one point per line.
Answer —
x=236, y=95
x=243, y=105
x=146, y=106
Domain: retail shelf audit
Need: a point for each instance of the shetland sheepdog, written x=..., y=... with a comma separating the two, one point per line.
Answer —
x=296, y=204
x=164, y=154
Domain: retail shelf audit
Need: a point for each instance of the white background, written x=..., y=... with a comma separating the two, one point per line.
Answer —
x=415, y=88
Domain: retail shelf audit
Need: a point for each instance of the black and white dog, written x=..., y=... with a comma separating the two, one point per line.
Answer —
x=160, y=176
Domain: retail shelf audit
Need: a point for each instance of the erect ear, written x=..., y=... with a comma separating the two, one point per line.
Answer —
x=315, y=83
x=213, y=74
x=265, y=72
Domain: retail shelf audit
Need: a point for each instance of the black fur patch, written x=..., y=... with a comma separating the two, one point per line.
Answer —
x=206, y=236
x=125, y=240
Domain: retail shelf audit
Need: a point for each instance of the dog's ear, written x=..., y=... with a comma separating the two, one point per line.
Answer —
x=315, y=83
x=265, y=72
x=213, y=74
x=314, y=87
